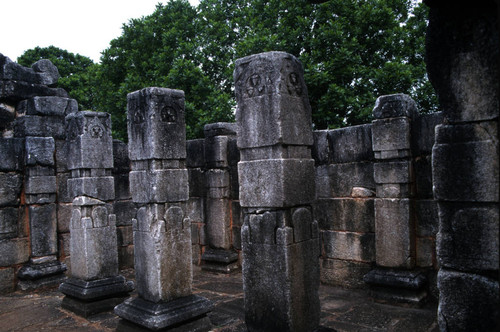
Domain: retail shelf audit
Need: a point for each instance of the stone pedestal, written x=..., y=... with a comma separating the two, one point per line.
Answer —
x=162, y=231
x=277, y=185
x=95, y=285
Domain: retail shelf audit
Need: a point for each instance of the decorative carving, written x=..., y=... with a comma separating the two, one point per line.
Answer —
x=95, y=129
x=293, y=84
x=168, y=114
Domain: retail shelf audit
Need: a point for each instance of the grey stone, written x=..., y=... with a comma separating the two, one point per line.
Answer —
x=195, y=209
x=351, y=144
x=48, y=73
x=7, y=116
x=61, y=156
x=423, y=130
x=392, y=172
x=122, y=186
x=11, y=154
x=344, y=273
x=395, y=190
x=89, y=290
x=345, y=214
x=10, y=70
x=90, y=144
x=216, y=152
x=124, y=235
x=62, y=188
x=341, y=178
x=349, y=246
x=361, y=192
x=13, y=91
x=468, y=237
x=220, y=260
x=425, y=252
x=121, y=162
x=43, y=229
x=197, y=186
x=126, y=257
x=273, y=106
x=218, y=223
x=14, y=251
x=195, y=150
x=9, y=222
x=465, y=166
x=391, y=135
x=394, y=106
x=40, y=198
x=102, y=188
x=162, y=239
x=320, y=149
x=87, y=309
x=41, y=185
x=40, y=126
x=394, y=248
x=217, y=178
x=467, y=302
x=422, y=167
x=7, y=281
x=35, y=271
x=159, y=186
x=125, y=211
x=220, y=129
x=427, y=218
x=48, y=106
x=276, y=182
x=10, y=189
x=156, y=127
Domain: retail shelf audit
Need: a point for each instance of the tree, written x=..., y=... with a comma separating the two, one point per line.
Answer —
x=77, y=72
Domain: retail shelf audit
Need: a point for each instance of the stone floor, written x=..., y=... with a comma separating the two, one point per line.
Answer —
x=342, y=310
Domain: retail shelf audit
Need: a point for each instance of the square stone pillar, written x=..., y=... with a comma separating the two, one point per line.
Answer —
x=162, y=232
x=95, y=284
x=277, y=186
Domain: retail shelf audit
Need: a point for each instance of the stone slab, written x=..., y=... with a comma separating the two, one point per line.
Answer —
x=216, y=152
x=351, y=144
x=218, y=223
x=345, y=214
x=220, y=129
x=101, y=188
x=159, y=186
x=11, y=154
x=390, y=135
x=43, y=229
x=40, y=126
x=7, y=281
x=195, y=150
x=344, y=273
x=87, y=309
x=349, y=245
x=97, y=289
x=393, y=106
x=10, y=189
x=48, y=106
x=40, y=184
x=39, y=271
x=338, y=180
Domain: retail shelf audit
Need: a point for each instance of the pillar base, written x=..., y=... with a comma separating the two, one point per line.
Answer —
x=183, y=314
x=37, y=275
x=397, y=287
x=220, y=260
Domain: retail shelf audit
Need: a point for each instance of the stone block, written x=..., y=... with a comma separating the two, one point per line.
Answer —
x=14, y=251
x=9, y=222
x=218, y=223
x=217, y=178
x=42, y=72
x=344, y=273
x=351, y=144
x=276, y=183
x=427, y=218
x=465, y=163
x=349, y=246
x=121, y=162
x=320, y=149
x=195, y=150
x=344, y=177
x=220, y=129
x=43, y=229
x=40, y=151
x=61, y=156
x=7, y=281
x=423, y=133
x=40, y=126
x=10, y=189
x=15, y=91
x=345, y=214
x=394, y=106
x=124, y=236
x=468, y=236
x=11, y=154
x=125, y=211
x=122, y=186
x=90, y=144
x=273, y=106
x=197, y=187
x=467, y=302
x=48, y=106
x=159, y=186
x=425, y=252
x=41, y=185
x=391, y=135
x=323, y=182
x=395, y=190
x=392, y=172
x=394, y=232
x=422, y=167
x=159, y=245
x=47, y=71
x=63, y=217
x=195, y=210
x=216, y=152
x=62, y=188
x=102, y=188
x=156, y=126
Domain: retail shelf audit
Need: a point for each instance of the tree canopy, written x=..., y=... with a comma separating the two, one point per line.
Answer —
x=352, y=50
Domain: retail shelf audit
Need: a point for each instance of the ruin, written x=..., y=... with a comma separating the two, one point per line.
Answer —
x=405, y=206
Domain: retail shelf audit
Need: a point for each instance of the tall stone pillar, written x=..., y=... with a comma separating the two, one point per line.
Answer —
x=393, y=279
x=220, y=255
x=162, y=232
x=95, y=284
x=277, y=186
x=463, y=48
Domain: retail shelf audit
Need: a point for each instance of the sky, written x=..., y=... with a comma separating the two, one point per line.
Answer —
x=83, y=27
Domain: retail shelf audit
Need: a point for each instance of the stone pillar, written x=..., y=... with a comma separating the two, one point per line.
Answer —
x=462, y=59
x=162, y=232
x=95, y=284
x=277, y=185
x=220, y=255
x=393, y=279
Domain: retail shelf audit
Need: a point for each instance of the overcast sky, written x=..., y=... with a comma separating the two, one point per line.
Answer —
x=84, y=27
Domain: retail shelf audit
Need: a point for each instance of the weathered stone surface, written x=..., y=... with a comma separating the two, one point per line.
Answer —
x=42, y=71
x=391, y=137
x=40, y=126
x=425, y=252
x=351, y=144
x=63, y=217
x=349, y=246
x=124, y=235
x=195, y=150
x=392, y=172
x=344, y=273
x=394, y=248
x=90, y=144
x=9, y=222
x=41, y=185
x=10, y=189
x=47, y=106
x=19, y=90
x=156, y=127
x=49, y=267
x=162, y=239
x=354, y=215
x=122, y=186
x=362, y=192
x=218, y=223
x=337, y=180
x=125, y=211
x=468, y=237
x=273, y=106
x=276, y=182
x=422, y=167
x=47, y=71
x=102, y=188
x=423, y=129
x=11, y=154
x=121, y=162
x=394, y=106
x=197, y=186
x=7, y=116
x=465, y=162
x=220, y=129
x=216, y=151
x=320, y=149
x=427, y=218
x=159, y=186
x=220, y=260
x=195, y=209
x=7, y=281
x=467, y=302
x=14, y=251
x=43, y=229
